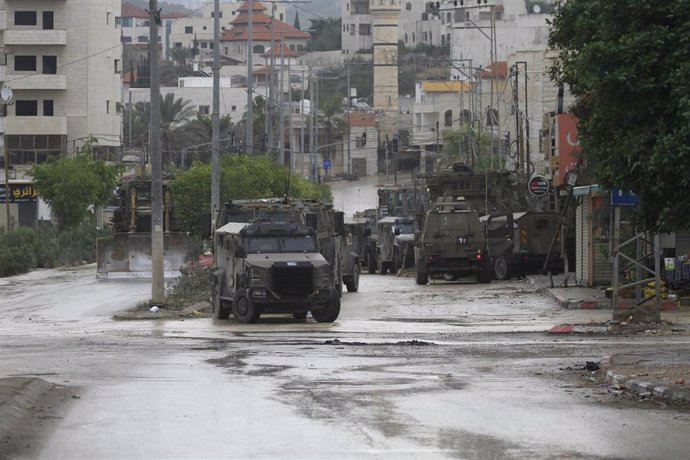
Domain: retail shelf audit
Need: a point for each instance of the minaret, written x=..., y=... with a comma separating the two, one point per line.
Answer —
x=386, y=15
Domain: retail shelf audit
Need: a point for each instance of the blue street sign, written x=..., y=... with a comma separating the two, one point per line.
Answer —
x=326, y=164
x=623, y=197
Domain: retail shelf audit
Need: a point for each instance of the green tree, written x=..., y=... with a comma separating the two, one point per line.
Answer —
x=296, y=24
x=325, y=35
x=242, y=177
x=70, y=185
x=175, y=118
x=628, y=64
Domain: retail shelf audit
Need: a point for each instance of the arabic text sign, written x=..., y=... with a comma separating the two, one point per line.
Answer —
x=19, y=193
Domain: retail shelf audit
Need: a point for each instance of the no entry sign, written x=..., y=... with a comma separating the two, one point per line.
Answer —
x=538, y=186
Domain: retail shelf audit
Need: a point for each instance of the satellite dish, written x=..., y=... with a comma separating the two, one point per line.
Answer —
x=536, y=9
x=6, y=94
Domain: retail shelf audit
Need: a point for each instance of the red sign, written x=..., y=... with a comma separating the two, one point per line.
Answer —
x=567, y=147
x=538, y=186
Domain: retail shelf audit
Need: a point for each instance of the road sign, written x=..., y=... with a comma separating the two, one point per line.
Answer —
x=538, y=186
x=326, y=164
x=623, y=197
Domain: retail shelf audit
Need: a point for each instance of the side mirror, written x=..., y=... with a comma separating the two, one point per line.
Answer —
x=205, y=225
x=240, y=253
x=339, y=221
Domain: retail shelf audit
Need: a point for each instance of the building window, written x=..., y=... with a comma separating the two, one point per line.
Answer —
x=126, y=39
x=178, y=45
x=117, y=67
x=210, y=45
x=408, y=6
x=107, y=106
x=448, y=118
x=204, y=110
x=48, y=20
x=25, y=63
x=24, y=18
x=233, y=108
x=259, y=49
x=353, y=29
x=48, y=108
x=107, y=17
x=204, y=45
x=143, y=38
x=204, y=27
x=127, y=22
x=50, y=65
x=365, y=29
x=189, y=30
x=26, y=108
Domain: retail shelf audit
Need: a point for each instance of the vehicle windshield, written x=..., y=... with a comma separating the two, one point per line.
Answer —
x=405, y=228
x=262, y=244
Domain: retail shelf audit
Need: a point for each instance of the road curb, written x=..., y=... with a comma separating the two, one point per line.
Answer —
x=637, y=386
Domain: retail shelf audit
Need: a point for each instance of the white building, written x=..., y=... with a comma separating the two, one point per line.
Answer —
x=63, y=63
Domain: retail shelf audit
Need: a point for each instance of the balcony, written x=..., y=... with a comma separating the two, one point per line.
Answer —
x=36, y=125
x=28, y=37
x=36, y=81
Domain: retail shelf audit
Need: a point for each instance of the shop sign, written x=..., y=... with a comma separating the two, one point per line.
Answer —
x=538, y=186
x=19, y=193
x=621, y=197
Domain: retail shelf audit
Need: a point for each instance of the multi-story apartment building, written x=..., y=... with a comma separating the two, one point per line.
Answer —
x=63, y=63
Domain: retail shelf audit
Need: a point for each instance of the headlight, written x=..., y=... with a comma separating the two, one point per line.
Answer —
x=258, y=276
x=322, y=276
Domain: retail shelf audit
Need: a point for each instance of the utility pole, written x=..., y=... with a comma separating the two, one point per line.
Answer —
x=290, y=111
x=270, y=106
x=312, y=155
x=215, y=118
x=281, y=110
x=157, y=242
x=250, y=82
x=301, y=124
x=349, y=120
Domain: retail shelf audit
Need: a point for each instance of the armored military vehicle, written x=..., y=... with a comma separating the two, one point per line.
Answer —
x=353, y=246
x=127, y=252
x=519, y=243
x=271, y=268
x=451, y=244
x=395, y=236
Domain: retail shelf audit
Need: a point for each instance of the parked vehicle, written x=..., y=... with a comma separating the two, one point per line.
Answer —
x=271, y=268
x=451, y=244
x=395, y=238
x=519, y=243
x=127, y=253
x=353, y=246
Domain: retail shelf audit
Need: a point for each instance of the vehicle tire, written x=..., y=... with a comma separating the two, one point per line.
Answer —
x=371, y=264
x=380, y=266
x=244, y=309
x=221, y=310
x=484, y=275
x=397, y=263
x=420, y=274
x=300, y=315
x=501, y=269
x=329, y=312
x=353, y=286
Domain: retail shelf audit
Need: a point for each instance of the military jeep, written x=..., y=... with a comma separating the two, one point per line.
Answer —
x=271, y=268
x=452, y=244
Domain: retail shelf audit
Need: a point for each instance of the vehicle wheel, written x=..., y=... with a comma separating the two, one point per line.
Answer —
x=371, y=265
x=353, y=286
x=329, y=312
x=220, y=306
x=484, y=275
x=501, y=268
x=380, y=266
x=244, y=309
x=300, y=316
x=397, y=263
x=420, y=274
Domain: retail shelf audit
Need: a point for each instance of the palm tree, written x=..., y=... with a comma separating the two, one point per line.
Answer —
x=175, y=114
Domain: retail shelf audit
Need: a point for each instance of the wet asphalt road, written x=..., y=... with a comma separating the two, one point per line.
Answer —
x=443, y=371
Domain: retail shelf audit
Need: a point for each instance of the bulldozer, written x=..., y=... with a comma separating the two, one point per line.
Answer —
x=127, y=252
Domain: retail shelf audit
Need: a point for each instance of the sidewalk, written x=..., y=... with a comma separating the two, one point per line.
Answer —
x=663, y=374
